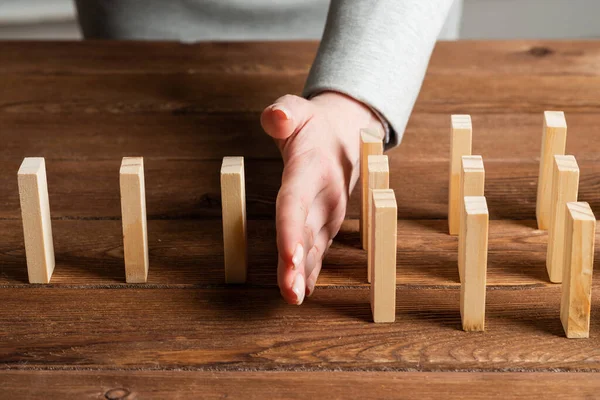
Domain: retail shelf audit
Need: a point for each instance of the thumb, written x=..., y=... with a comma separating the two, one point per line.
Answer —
x=286, y=116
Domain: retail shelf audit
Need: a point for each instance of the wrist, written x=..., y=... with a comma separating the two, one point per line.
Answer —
x=354, y=112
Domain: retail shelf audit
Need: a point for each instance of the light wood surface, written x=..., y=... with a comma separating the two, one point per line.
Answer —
x=461, y=132
x=472, y=183
x=379, y=178
x=383, y=255
x=371, y=144
x=575, y=305
x=554, y=138
x=233, y=200
x=565, y=185
x=133, y=215
x=474, y=229
x=35, y=213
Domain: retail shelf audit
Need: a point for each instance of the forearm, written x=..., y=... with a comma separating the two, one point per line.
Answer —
x=377, y=52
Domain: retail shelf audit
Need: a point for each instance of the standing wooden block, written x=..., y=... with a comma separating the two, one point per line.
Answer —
x=472, y=182
x=133, y=215
x=37, y=226
x=379, y=178
x=554, y=139
x=565, y=184
x=580, y=231
x=371, y=144
x=233, y=199
x=383, y=279
x=460, y=145
x=474, y=228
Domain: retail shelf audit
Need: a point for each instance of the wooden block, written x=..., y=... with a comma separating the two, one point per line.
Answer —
x=472, y=182
x=460, y=145
x=554, y=139
x=580, y=231
x=233, y=199
x=475, y=247
x=384, y=245
x=371, y=144
x=133, y=215
x=379, y=178
x=37, y=226
x=565, y=184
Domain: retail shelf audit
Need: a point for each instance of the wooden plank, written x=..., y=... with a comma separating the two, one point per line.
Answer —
x=384, y=216
x=212, y=136
x=461, y=133
x=580, y=232
x=127, y=93
x=190, y=253
x=474, y=251
x=371, y=144
x=481, y=57
x=565, y=184
x=233, y=200
x=379, y=178
x=421, y=189
x=298, y=385
x=108, y=57
x=133, y=211
x=472, y=183
x=554, y=139
x=212, y=329
x=35, y=212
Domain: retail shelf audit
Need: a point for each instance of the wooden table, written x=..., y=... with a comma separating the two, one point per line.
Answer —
x=183, y=107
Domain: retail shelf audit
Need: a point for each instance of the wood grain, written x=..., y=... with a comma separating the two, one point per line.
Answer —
x=187, y=189
x=190, y=253
x=201, y=136
x=297, y=385
x=212, y=328
x=195, y=103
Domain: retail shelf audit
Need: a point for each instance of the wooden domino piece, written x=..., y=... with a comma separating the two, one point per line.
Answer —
x=554, y=139
x=580, y=231
x=460, y=145
x=384, y=245
x=233, y=200
x=474, y=229
x=379, y=178
x=133, y=215
x=37, y=226
x=565, y=184
x=472, y=182
x=371, y=144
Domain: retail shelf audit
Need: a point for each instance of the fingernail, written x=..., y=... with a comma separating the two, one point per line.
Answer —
x=310, y=287
x=298, y=288
x=282, y=113
x=298, y=256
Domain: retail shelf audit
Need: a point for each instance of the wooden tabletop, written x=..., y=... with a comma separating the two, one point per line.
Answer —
x=184, y=334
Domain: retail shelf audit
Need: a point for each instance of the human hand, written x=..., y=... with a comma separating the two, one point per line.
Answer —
x=319, y=140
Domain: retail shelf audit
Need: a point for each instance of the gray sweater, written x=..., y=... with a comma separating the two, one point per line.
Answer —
x=375, y=51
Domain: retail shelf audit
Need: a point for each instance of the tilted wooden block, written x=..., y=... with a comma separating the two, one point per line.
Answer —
x=133, y=215
x=371, y=144
x=554, y=139
x=575, y=305
x=379, y=178
x=460, y=145
x=37, y=226
x=233, y=200
x=565, y=184
x=475, y=248
x=384, y=245
x=472, y=182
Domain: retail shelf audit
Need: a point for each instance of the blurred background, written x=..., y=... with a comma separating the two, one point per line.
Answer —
x=481, y=19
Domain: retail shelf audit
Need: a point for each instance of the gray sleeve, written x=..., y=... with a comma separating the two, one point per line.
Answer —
x=377, y=51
